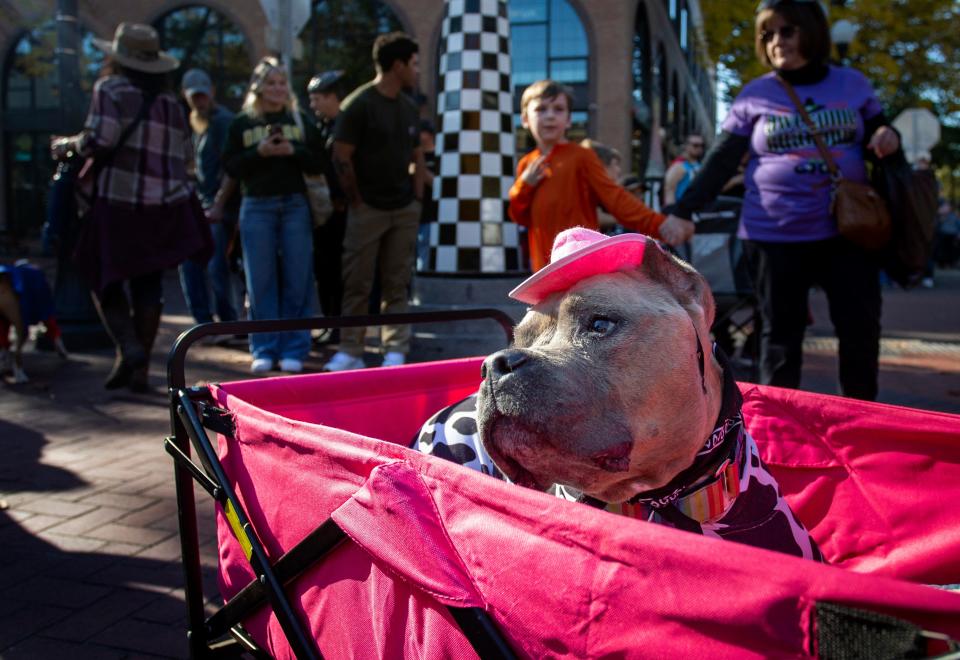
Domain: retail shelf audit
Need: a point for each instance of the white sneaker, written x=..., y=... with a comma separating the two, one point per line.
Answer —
x=927, y=282
x=291, y=365
x=261, y=365
x=344, y=361
x=393, y=359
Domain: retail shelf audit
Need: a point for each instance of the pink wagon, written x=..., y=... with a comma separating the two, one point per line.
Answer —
x=336, y=540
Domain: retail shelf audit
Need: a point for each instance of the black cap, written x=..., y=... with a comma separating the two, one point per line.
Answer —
x=324, y=82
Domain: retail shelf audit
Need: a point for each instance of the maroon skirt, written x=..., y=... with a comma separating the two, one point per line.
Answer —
x=117, y=243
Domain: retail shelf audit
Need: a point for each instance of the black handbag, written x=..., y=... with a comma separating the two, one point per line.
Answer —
x=913, y=199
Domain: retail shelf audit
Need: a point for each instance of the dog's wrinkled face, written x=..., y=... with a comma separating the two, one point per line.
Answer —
x=602, y=390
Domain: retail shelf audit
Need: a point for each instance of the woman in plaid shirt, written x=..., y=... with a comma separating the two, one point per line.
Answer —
x=142, y=216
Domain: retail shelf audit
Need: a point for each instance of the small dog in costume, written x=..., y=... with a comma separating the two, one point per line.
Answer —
x=25, y=300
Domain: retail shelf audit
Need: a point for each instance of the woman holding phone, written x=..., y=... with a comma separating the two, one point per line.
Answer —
x=270, y=146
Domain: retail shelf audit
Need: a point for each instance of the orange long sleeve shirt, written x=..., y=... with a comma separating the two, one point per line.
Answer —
x=574, y=185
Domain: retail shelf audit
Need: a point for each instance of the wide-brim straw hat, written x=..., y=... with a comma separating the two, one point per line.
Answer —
x=137, y=46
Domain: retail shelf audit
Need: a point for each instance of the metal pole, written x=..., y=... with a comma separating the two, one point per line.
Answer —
x=286, y=32
x=75, y=312
x=68, y=66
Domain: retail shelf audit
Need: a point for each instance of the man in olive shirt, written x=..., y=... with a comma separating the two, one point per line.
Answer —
x=376, y=139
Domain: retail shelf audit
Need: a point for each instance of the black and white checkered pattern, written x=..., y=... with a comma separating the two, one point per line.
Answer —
x=475, y=143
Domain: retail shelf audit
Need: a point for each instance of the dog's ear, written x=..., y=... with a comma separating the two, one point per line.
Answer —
x=688, y=286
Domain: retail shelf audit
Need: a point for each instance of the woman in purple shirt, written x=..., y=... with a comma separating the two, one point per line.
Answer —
x=789, y=234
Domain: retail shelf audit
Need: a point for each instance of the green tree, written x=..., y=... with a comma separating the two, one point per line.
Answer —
x=909, y=49
x=340, y=35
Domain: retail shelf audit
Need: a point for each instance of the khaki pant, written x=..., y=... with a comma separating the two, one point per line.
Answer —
x=388, y=239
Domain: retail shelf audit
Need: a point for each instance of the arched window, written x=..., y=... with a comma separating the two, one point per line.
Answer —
x=31, y=113
x=684, y=29
x=547, y=40
x=640, y=68
x=204, y=38
x=340, y=35
x=32, y=79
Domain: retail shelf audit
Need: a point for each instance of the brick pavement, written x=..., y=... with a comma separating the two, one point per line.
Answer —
x=87, y=520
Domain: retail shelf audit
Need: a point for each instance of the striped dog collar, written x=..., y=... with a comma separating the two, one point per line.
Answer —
x=704, y=503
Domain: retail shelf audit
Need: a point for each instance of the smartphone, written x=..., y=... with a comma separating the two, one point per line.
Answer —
x=274, y=129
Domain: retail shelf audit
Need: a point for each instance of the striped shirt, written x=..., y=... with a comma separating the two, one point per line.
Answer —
x=150, y=168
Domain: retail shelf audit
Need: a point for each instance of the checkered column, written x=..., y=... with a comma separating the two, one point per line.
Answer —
x=475, y=142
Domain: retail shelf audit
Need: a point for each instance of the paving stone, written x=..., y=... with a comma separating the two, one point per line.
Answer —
x=38, y=523
x=56, y=507
x=119, y=500
x=167, y=550
x=44, y=647
x=96, y=518
x=121, y=550
x=161, y=514
x=142, y=536
x=25, y=620
x=157, y=576
x=68, y=543
x=19, y=570
x=56, y=591
x=168, y=610
x=80, y=566
x=145, y=637
x=102, y=614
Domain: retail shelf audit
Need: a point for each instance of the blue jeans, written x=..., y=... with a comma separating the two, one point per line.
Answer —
x=277, y=237
x=194, y=279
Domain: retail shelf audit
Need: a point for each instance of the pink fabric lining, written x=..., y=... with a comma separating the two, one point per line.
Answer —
x=877, y=486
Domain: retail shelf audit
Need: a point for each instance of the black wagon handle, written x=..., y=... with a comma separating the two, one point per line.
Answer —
x=176, y=362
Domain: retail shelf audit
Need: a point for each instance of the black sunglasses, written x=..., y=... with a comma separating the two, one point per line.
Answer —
x=785, y=32
x=771, y=4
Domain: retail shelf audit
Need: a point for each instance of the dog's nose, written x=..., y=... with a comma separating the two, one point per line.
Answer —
x=502, y=363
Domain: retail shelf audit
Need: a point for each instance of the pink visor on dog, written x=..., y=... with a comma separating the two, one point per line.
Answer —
x=577, y=254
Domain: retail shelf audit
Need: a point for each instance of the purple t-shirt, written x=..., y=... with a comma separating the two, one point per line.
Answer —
x=787, y=183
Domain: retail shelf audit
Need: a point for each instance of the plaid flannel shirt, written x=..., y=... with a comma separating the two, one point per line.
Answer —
x=150, y=168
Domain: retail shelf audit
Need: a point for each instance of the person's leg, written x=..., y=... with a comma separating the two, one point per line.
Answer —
x=146, y=294
x=224, y=296
x=297, y=293
x=328, y=262
x=852, y=284
x=360, y=247
x=114, y=310
x=259, y=217
x=193, y=282
x=782, y=287
x=397, y=254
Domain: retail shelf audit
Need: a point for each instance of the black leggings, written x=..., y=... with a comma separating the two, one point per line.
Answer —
x=850, y=278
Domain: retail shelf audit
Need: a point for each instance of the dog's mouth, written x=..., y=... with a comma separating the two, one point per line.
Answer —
x=501, y=435
x=518, y=474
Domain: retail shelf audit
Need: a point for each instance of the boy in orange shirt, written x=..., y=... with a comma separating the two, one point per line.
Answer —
x=559, y=184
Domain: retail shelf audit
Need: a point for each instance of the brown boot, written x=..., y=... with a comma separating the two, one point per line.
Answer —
x=146, y=321
x=115, y=315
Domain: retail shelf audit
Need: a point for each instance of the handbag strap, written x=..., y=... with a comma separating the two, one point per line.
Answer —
x=814, y=131
x=107, y=158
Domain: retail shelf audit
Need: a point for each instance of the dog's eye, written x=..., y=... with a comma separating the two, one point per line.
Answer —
x=601, y=325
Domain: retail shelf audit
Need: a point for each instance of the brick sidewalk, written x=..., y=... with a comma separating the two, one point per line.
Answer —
x=88, y=520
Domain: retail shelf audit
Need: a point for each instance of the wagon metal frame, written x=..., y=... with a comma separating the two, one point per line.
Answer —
x=192, y=413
